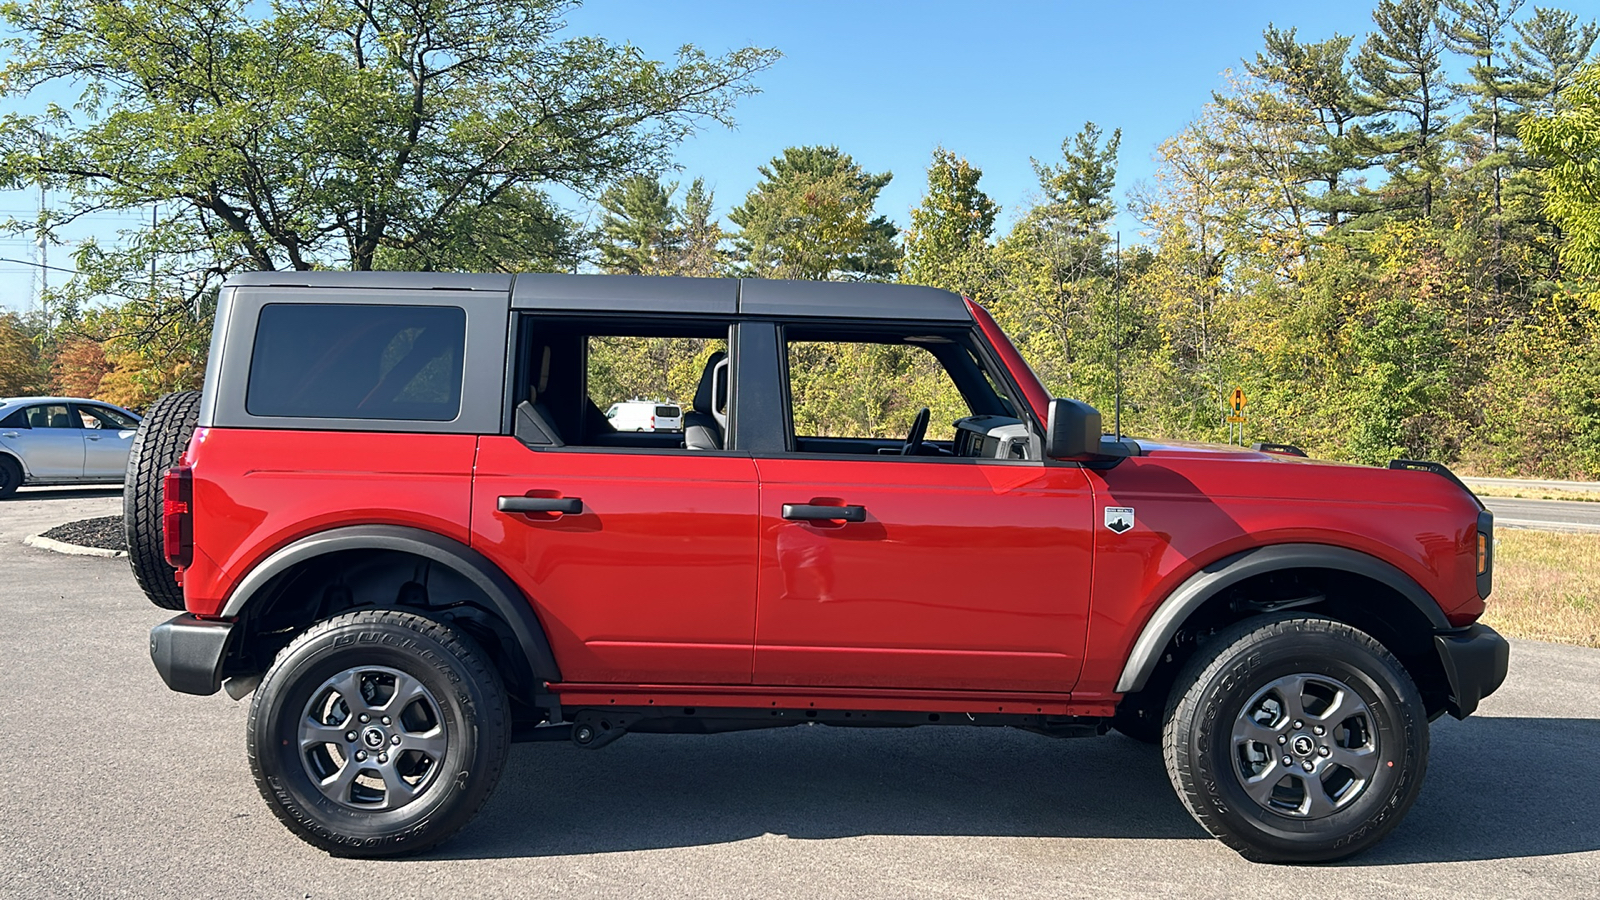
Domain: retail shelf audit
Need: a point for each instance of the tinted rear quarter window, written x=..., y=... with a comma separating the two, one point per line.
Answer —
x=349, y=361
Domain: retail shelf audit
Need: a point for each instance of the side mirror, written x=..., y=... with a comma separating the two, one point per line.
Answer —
x=1072, y=431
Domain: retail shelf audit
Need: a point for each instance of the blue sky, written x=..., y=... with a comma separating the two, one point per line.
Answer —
x=888, y=82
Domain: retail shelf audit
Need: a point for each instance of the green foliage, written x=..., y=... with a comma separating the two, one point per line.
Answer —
x=811, y=217
x=947, y=245
x=1569, y=140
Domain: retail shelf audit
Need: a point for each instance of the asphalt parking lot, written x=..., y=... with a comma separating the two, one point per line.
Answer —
x=112, y=786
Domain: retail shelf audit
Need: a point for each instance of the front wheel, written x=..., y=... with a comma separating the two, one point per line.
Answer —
x=378, y=733
x=1297, y=739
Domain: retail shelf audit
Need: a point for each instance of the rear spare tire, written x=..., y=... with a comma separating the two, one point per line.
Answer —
x=159, y=443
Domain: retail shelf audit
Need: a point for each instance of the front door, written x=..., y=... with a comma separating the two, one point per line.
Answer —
x=107, y=438
x=957, y=560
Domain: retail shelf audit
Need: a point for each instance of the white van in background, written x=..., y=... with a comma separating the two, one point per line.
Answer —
x=645, y=415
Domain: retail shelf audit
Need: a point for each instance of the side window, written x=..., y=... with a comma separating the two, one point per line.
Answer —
x=18, y=419
x=589, y=383
x=861, y=394
x=349, y=361
x=102, y=417
x=51, y=416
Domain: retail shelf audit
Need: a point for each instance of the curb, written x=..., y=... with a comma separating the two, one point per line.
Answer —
x=44, y=543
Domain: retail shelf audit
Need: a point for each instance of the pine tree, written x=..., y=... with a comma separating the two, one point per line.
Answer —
x=1401, y=66
x=811, y=217
x=638, y=235
x=700, y=252
x=1550, y=48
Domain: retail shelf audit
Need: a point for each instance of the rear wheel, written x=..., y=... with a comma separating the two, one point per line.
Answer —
x=157, y=446
x=378, y=733
x=1297, y=739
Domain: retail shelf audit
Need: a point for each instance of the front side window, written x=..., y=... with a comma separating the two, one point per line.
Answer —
x=349, y=361
x=101, y=417
x=862, y=394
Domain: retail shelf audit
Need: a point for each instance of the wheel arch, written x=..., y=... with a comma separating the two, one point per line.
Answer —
x=1409, y=625
x=323, y=553
x=21, y=466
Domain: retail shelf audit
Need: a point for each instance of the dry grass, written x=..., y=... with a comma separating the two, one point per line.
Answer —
x=1546, y=587
x=1517, y=493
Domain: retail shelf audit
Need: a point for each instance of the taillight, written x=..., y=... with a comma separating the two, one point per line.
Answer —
x=177, y=516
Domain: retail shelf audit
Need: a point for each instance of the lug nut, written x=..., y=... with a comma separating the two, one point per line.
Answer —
x=1297, y=723
x=367, y=718
x=385, y=720
x=1319, y=730
x=1288, y=761
x=361, y=756
x=395, y=740
x=1308, y=766
x=1282, y=739
x=350, y=736
x=1323, y=751
x=384, y=757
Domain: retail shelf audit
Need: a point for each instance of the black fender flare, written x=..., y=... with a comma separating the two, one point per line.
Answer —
x=1222, y=574
x=506, y=598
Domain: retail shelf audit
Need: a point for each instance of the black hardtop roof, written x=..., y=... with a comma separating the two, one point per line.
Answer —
x=648, y=293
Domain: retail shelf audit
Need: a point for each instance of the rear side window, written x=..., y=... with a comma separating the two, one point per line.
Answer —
x=668, y=412
x=348, y=361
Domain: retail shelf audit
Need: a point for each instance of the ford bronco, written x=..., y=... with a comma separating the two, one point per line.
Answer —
x=398, y=515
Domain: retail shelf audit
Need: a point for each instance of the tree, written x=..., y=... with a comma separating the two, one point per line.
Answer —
x=1401, y=66
x=811, y=217
x=320, y=133
x=700, y=252
x=20, y=369
x=1570, y=140
x=79, y=366
x=1479, y=29
x=639, y=234
x=947, y=244
x=1550, y=48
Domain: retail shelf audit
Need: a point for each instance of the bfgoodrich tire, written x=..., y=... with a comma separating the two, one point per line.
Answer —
x=157, y=445
x=378, y=733
x=1296, y=739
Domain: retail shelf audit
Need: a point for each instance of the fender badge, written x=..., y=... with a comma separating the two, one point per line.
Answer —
x=1119, y=518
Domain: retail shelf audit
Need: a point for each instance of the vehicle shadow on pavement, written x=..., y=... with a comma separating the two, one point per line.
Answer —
x=1496, y=788
x=1501, y=788
x=658, y=791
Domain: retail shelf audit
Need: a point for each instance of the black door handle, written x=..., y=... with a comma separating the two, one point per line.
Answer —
x=569, y=505
x=808, y=512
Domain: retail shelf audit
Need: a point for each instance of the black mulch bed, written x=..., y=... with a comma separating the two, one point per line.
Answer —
x=105, y=532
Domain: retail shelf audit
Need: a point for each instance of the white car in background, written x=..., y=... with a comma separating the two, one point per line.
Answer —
x=645, y=415
x=63, y=440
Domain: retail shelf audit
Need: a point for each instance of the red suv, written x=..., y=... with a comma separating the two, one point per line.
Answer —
x=399, y=515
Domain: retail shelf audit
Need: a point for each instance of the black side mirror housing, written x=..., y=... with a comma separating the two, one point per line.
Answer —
x=1072, y=431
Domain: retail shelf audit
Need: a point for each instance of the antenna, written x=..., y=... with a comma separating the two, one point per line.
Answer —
x=1116, y=348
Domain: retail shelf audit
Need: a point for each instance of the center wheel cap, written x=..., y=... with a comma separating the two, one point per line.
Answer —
x=373, y=738
x=1303, y=745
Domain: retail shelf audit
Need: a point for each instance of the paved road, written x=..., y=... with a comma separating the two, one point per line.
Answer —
x=1532, y=485
x=1545, y=515
x=112, y=786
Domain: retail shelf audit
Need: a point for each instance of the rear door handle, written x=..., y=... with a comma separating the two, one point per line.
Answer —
x=568, y=505
x=808, y=512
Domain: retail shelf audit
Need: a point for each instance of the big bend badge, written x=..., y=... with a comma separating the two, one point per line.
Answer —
x=1119, y=518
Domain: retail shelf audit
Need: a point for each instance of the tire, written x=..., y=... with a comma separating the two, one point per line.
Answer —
x=453, y=738
x=1263, y=678
x=157, y=446
x=10, y=476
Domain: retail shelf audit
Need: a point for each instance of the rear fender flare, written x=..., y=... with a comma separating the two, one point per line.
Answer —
x=1228, y=571
x=503, y=595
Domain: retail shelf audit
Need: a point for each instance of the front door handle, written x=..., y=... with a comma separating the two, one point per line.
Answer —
x=810, y=512
x=568, y=505
x=9, y=434
x=92, y=437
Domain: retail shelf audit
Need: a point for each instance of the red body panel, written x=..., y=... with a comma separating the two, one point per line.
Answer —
x=257, y=490
x=967, y=576
x=653, y=581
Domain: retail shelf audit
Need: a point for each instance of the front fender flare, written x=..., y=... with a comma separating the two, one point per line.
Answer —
x=1228, y=571
x=502, y=593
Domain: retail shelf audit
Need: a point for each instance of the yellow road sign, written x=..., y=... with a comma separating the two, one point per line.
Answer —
x=1237, y=400
x=1237, y=420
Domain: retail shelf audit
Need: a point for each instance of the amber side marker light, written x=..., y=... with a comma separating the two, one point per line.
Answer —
x=1483, y=553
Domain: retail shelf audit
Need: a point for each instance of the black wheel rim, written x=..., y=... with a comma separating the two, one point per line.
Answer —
x=372, y=738
x=1305, y=746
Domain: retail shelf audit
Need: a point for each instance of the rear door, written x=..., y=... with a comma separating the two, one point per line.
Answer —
x=638, y=553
